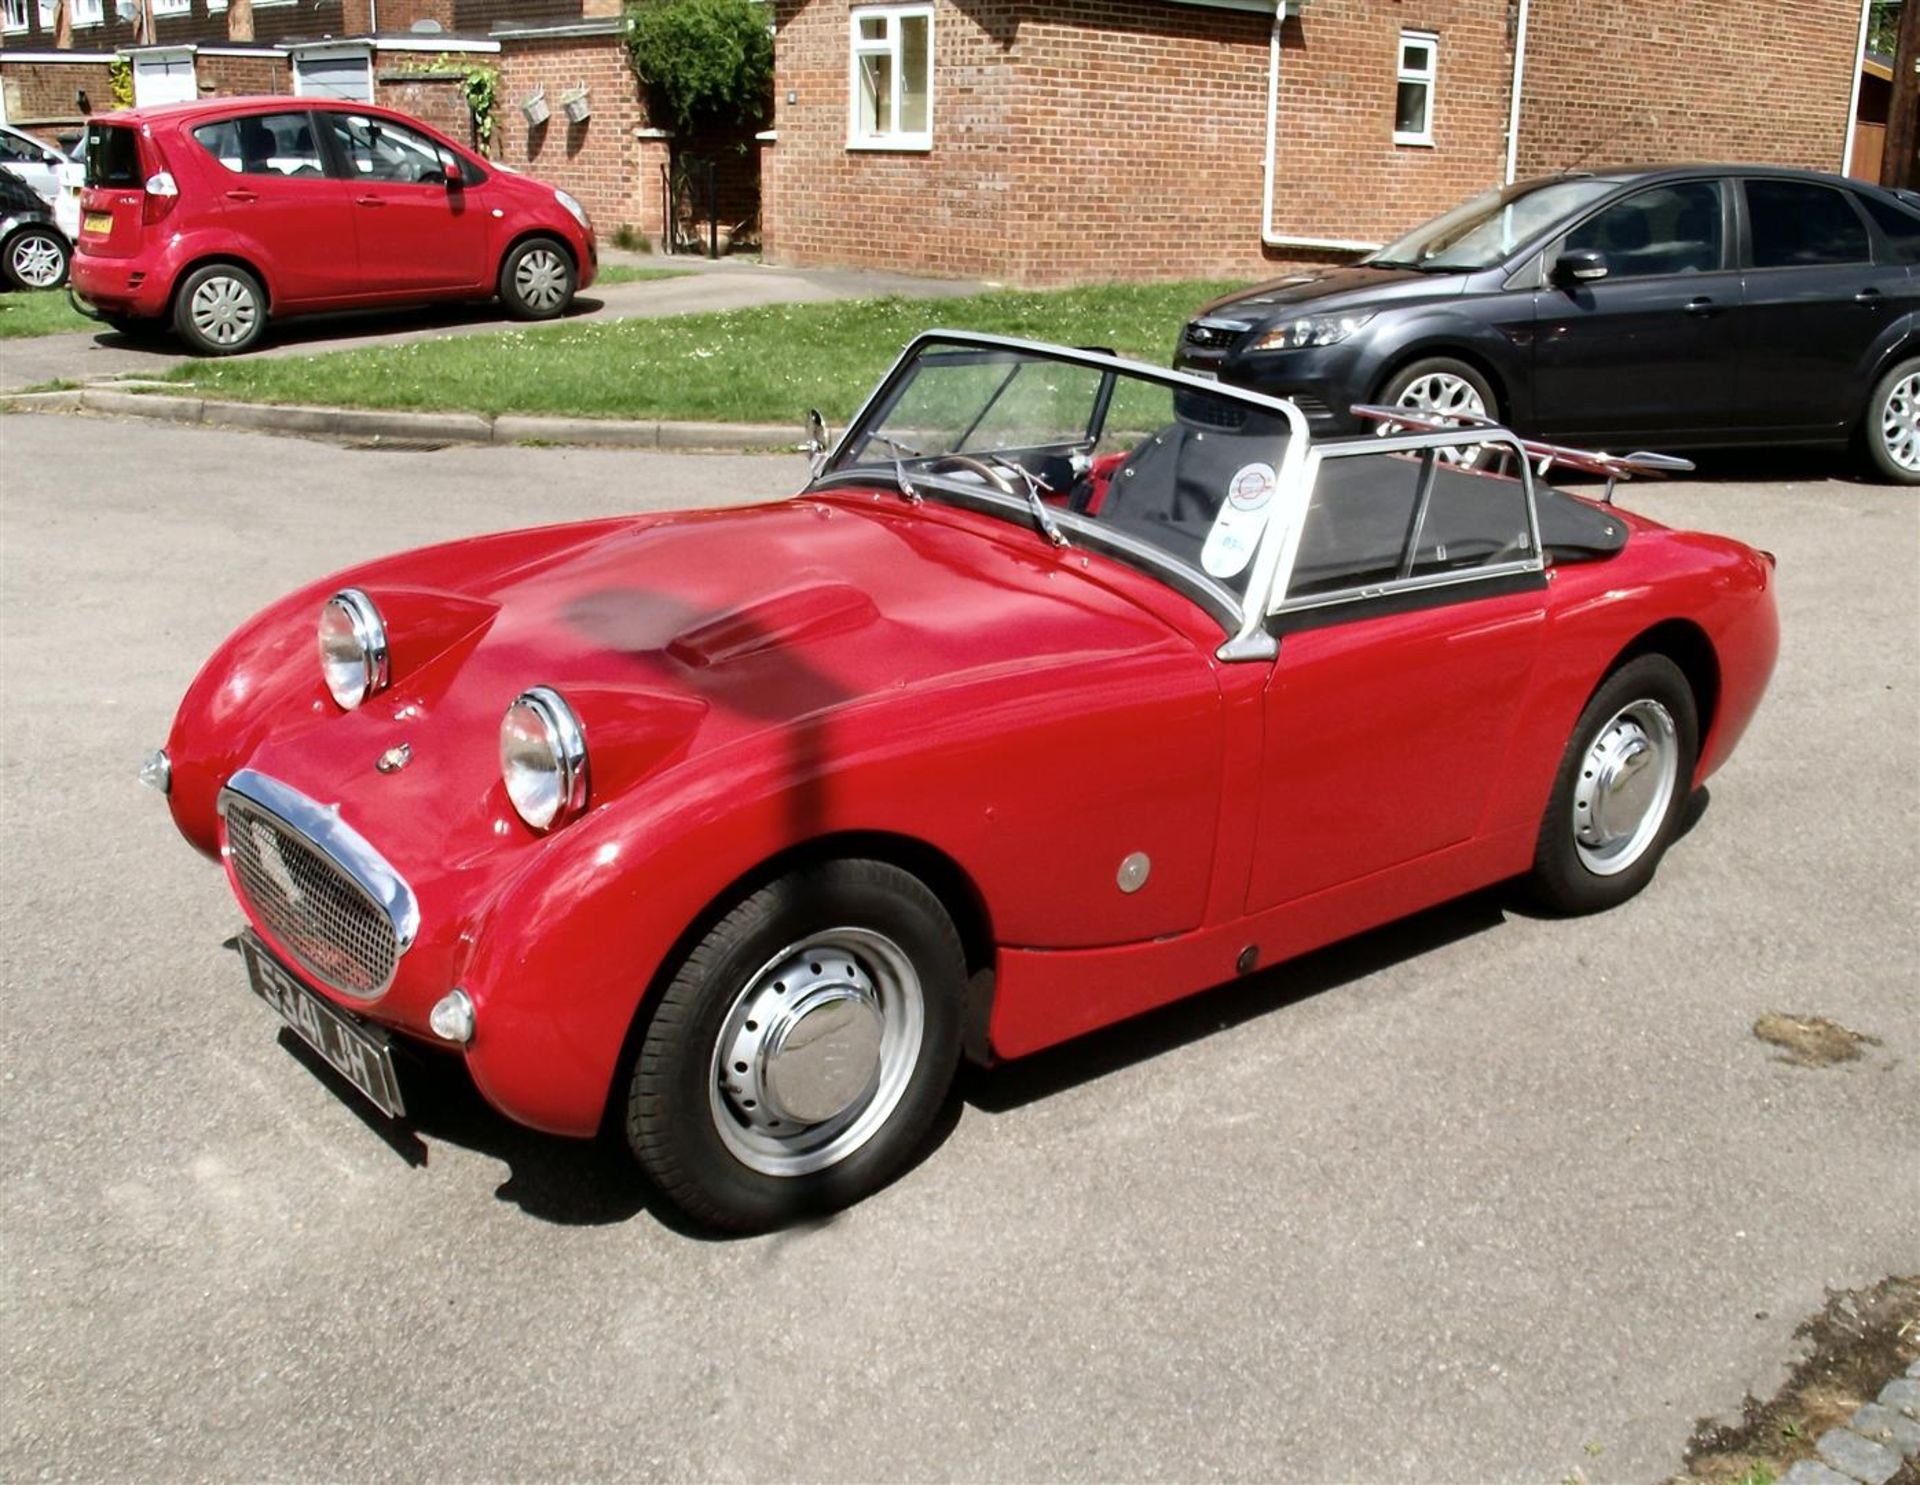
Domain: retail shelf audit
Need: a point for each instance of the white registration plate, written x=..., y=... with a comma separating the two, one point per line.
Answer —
x=361, y=1054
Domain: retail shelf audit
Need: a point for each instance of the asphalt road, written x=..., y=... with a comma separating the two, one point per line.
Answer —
x=1477, y=1198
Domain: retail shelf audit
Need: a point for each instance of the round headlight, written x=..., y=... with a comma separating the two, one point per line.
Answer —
x=543, y=758
x=353, y=648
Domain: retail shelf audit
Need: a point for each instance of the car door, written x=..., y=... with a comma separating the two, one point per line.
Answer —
x=33, y=162
x=417, y=232
x=1648, y=349
x=1411, y=624
x=276, y=196
x=1815, y=301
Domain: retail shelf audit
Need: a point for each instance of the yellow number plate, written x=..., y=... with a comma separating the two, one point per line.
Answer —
x=98, y=221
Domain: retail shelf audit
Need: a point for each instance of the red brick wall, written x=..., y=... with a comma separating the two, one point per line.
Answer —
x=1710, y=82
x=434, y=98
x=44, y=90
x=600, y=161
x=228, y=77
x=1126, y=139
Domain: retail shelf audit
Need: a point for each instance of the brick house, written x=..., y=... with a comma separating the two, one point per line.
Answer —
x=407, y=54
x=1046, y=141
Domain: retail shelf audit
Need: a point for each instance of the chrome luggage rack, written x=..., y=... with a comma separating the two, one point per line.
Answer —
x=1613, y=467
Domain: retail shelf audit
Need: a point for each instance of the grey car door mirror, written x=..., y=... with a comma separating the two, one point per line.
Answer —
x=1580, y=266
x=817, y=442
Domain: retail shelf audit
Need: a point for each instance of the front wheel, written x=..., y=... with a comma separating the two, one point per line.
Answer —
x=803, y=1049
x=36, y=258
x=537, y=280
x=220, y=310
x=1446, y=387
x=1621, y=789
x=1891, y=428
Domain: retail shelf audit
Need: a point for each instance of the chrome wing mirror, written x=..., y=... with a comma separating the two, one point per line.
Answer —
x=817, y=442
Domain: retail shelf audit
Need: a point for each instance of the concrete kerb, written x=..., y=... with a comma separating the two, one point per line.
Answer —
x=434, y=427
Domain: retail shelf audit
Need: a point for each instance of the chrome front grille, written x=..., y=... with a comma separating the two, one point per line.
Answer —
x=310, y=905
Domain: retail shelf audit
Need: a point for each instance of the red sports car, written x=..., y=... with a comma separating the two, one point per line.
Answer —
x=1066, y=688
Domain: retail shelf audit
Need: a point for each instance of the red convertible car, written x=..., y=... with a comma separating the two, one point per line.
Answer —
x=1067, y=687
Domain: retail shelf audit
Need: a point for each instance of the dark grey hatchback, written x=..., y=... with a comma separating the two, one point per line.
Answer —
x=1687, y=306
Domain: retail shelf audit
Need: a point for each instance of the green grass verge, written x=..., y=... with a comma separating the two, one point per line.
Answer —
x=754, y=365
x=620, y=273
x=43, y=312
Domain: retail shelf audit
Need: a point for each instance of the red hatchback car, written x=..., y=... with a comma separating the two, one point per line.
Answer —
x=218, y=215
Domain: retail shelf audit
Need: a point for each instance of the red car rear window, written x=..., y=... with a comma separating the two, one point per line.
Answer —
x=113, y=155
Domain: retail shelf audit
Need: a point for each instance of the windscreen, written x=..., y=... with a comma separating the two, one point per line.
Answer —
x=113, y=156
x=1188, y=472
x=1488, y=228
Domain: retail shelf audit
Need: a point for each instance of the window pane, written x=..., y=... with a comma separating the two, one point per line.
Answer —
x=915, y=45
x=873, y=28
x=1410, y=112
x=273, y=144
x=876, y=95
x=1900, y=227
x=1415, y=56
x=379, y=150
x=1796, y=225
x=1670, y=229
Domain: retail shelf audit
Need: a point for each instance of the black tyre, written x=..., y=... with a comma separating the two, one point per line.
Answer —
x=220, y=310
x=537, y=280
x=1442, y=385
x=35, y=257
x=1890, y=430
x=1621, y=790
x=802, y=1051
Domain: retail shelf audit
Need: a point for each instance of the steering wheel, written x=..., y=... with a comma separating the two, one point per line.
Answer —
x=995, y=477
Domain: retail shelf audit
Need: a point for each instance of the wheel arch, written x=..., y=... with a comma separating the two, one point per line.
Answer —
x=942, y=875
x=1896, y=348
x=1451, y=350
x=1687, y=645
x=207, y=260
x=519, y=239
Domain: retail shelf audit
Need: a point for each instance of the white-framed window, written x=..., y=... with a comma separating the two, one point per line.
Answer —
x=890, y=78
x=170, y=7
x=1413, y=100
x=13, y=15
x=88, y=12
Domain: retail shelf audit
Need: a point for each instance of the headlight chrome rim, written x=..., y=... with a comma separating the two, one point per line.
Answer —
x=565, y=742
x=362, y=671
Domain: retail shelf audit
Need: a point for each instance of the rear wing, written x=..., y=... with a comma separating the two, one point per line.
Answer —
x=1613, y=467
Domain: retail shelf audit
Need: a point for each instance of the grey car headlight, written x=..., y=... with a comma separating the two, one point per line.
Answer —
x=543, y=758
x=579, y=211
x=1311, y=330
x=353, y=648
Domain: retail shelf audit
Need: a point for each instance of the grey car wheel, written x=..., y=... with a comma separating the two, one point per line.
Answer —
x=36, y=258
x=1450, y=388
x=1891, y=427
x=220, y=310
x=537, y=280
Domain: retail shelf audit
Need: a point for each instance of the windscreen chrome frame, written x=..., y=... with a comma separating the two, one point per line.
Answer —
x=1244, y=620
x=1293, y=519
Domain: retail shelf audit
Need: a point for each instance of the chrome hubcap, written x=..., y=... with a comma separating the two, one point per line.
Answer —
x=816, y=1052
x=1900, y=423
x=1446, y=394
x=36, y=263
x=1626, y=782
x=541, y=279
x=224, y=311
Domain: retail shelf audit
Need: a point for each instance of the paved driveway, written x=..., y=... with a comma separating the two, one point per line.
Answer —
x=727, y=284
x=1476, y=1198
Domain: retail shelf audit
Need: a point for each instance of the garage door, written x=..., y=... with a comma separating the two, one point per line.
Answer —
x=168, y=79
x=343, y=75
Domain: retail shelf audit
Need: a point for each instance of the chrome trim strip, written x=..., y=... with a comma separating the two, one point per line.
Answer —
x=321, y=824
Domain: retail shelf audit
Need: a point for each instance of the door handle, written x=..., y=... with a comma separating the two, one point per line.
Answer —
x=369, y=201
x=1700, y=304
x=1868, y=296
x=239, y=195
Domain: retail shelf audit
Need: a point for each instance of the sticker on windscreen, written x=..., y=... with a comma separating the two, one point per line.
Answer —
x=1243, y=516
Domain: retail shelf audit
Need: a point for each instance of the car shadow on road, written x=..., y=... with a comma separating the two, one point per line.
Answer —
x=1087, y=1059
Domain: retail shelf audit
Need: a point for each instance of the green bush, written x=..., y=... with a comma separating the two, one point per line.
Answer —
x=703, y=61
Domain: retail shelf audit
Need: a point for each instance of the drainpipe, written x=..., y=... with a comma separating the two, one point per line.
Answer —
x=1519, y=76
x=1268, y=235
x=1853, y=98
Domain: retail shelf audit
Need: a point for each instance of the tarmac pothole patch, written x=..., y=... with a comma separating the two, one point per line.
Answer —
x=1812, y=1041
x=1861, y=1341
